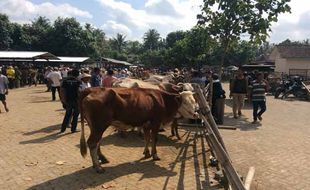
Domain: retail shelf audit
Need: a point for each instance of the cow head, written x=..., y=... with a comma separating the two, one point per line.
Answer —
x=188, y=106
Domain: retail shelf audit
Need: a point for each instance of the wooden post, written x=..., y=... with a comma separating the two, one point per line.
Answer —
x=205, y=108
x=216, y=142
x=249, y=178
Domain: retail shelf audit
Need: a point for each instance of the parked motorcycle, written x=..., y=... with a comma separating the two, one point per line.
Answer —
x=292, y=86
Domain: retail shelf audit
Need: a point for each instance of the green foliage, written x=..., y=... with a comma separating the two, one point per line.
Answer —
x=235, y=17
x=204, y=44
x=118, y=43
x=5, y=30
x=173, y=37
x=151, y=40
x=227, y=20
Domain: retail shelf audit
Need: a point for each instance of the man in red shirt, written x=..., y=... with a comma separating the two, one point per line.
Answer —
x=109, y=79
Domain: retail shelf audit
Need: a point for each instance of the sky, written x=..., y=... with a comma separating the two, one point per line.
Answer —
x=134, y=17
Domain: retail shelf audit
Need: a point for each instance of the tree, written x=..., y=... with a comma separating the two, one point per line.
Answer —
x=119, y=42
x=151, y=40
x=5, y=30
x=39, y=31
x=68, y=38
x=133, y=47
x=234, y=18
x=173, y=37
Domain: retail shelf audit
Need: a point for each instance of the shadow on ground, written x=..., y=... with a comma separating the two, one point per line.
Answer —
x=243, y=123
x=132, y=139
x=247, y=104
x=48, y=129
x=88, y=178
x=45, y=139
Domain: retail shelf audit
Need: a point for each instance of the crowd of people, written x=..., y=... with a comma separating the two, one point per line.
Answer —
x=67, y=82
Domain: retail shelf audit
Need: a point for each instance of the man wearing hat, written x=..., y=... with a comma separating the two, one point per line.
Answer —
x=85, y=78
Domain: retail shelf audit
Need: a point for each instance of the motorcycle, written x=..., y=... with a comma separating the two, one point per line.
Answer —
x=292, y=86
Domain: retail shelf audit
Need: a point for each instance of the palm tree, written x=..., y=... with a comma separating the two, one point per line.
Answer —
x=151, y=39
x=119, y=42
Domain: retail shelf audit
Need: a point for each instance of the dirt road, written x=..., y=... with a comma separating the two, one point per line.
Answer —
x=35, y=156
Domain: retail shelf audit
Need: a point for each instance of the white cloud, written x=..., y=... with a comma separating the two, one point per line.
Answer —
x=24, y=10
x=112, y=28
x=161, y=7
x=294, y=26
x=178, y=15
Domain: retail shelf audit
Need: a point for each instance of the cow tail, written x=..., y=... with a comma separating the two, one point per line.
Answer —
x=83, y=146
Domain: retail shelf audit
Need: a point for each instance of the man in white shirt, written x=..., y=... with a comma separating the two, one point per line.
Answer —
x=64, y=72
x=4, y=90
x=55, y=78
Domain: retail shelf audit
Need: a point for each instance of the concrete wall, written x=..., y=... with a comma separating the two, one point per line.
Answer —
x=298, y=63
x=281, y=65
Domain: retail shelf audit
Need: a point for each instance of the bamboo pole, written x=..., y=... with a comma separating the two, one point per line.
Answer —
x=249, y=178
x=216, y=142
x=203, y=105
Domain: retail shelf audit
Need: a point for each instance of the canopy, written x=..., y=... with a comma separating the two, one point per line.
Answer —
x=114, y=61
x=68, y=60
x=26, y=55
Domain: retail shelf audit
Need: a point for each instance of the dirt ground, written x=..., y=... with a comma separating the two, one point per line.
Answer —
x=278, y=147
x=35, y=156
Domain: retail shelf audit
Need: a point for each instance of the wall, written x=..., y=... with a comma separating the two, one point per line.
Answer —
x=281, y=66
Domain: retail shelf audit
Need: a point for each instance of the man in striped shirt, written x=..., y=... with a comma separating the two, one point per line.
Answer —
x=259, y=87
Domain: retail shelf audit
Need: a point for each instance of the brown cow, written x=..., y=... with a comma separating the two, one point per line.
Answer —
x=147, y=108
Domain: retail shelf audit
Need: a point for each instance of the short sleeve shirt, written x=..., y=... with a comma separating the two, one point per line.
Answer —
x=3, y=83
x=258, y=91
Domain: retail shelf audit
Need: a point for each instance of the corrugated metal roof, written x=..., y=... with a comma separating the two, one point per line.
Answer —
x=30, y=55
x=68, y=60
x=117, y=61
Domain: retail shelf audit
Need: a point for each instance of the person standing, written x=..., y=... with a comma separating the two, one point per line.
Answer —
x=4, y=90
x=109, y=79
x=218, y=100
x=10, y=72
x=85, y=78
x=46, y=80
x=55, y=78
x=18, y=74
x=238, y=90
x=69, y=96
x=95, y=80
x=259, y=87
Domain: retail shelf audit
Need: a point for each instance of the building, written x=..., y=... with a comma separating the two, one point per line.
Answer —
x=292, y=59
x=41, y=59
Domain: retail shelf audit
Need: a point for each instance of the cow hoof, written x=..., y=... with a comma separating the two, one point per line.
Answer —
x=99, y=170
x=147, y=155
x=103, y=161
x=155, y=157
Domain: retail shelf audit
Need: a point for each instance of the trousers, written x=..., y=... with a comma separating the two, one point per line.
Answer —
x=256, y=106
x=72, y=113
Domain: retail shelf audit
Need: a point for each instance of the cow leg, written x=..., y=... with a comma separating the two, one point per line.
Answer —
x=154, y=133
x=174, y=129
x=101, y=157
x=93, y=143
x=147, y=137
